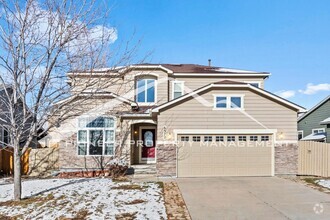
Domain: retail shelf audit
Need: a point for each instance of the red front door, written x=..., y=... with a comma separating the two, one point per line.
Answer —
x=149, y=141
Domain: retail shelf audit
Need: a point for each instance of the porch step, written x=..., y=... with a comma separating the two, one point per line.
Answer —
x=144, y=169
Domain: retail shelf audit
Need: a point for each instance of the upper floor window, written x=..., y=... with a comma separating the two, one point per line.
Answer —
x=96, y=136
x=228, y=101
x=178, y=89
x=318, y=130
x=146, y=91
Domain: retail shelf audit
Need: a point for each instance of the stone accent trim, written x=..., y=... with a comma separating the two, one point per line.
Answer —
x=166, y=160
x=286, y=158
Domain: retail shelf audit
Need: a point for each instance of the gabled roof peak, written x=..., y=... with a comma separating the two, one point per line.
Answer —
x=314, y=108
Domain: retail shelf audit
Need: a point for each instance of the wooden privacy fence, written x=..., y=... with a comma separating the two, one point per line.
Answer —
x=7, y=162
x=314, y=158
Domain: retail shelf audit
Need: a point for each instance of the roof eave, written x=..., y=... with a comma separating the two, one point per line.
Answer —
x=283, y=101
x=265, y=75
x=314, y=108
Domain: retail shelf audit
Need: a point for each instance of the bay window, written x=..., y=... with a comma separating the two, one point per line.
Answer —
x=146, y=90
x=96, y=136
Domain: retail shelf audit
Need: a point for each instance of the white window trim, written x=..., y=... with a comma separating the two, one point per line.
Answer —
x=87, y=136
x=302, y=133
x=228, y=96
x=136, y=93
x=182, y=87
x=318, y=129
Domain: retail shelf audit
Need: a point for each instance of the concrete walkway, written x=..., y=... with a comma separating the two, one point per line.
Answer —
x=252, y=198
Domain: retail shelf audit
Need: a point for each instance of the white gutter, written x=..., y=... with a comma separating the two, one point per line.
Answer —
x=221, y=74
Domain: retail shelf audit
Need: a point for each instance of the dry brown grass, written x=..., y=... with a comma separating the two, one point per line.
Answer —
x=135, y=201
x=129, y=187
x=82, y=214
x=38, y=201
x=126, y=216
x=4, y=217
x=121, y=179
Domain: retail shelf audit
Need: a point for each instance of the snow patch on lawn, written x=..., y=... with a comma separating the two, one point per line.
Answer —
x=100, y=198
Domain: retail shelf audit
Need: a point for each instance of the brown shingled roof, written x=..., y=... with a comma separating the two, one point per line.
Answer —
x=195, y=68
x=190, y=68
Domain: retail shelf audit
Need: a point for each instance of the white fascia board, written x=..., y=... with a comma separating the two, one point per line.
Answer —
x=221, y=74
x=224, y=131
x=231, y=86
x=277, y=98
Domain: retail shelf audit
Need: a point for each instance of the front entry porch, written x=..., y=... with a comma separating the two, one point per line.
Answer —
x=143, y=145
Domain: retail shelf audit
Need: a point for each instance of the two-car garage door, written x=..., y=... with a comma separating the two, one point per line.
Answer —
x=201, y=155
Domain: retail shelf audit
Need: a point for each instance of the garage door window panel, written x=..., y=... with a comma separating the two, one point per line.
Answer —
x=242, y=138
x=207, y=138
x=230, y=138
x=184, y=138
x=253, y=138
x=264, y=138
x=196, y=138
x=219, y=138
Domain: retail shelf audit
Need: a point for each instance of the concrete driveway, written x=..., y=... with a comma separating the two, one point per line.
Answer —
x=252, y=198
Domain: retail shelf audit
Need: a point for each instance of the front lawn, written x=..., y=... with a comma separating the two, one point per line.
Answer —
x=94, y=198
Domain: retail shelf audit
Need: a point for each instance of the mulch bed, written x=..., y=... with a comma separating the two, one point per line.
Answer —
x=175, y=205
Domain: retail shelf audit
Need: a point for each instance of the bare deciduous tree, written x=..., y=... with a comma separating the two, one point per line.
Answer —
x=40, y=41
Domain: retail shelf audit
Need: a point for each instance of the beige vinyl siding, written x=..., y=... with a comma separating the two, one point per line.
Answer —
x=126, y=86
x=259, y=113
x=105, y=84
x=194, y=83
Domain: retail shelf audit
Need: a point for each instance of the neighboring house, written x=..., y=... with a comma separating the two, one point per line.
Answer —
x=314, y=125
x=4, y=138
x=190, y=120
x=6, y=91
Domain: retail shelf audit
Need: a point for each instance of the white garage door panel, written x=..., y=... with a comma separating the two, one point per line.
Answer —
x=198, y=160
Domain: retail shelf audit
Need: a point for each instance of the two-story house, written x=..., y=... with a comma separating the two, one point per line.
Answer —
x=190, y=120
x=314, y=125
